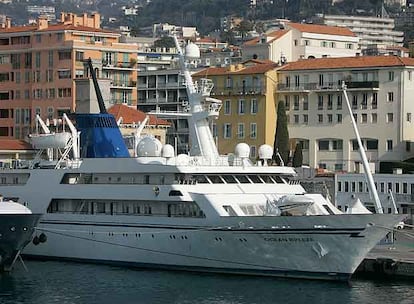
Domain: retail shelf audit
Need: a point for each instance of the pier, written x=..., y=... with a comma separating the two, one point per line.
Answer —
x=391, y=258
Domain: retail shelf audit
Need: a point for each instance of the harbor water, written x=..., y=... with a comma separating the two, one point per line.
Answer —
x=76, y=283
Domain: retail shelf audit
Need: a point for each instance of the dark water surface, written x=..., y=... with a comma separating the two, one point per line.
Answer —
x=70, y=283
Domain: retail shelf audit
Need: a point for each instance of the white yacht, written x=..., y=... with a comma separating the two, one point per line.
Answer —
x=196, y=212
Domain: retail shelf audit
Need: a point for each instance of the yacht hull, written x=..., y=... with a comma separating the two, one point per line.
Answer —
x=16, y=232
x=314, y=247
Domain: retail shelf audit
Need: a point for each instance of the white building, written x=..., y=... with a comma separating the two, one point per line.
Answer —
x=352, y=186
x=301, y=41
x=182, y=32
x=370, y=30
x=380, y=89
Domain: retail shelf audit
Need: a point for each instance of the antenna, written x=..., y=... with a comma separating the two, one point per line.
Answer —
x=101, y=103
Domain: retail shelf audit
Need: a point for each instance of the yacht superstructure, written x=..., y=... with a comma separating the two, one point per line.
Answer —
x=197, y=212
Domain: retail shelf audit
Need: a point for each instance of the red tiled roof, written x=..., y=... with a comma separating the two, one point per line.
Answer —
x=321, y=29
x=130, y=115
x=275, y=35
x=258, y=61
x=254, y=69
x=348, y=62
x=253, y=41
x=15, y=29
x=54, y=27
x=14, y=144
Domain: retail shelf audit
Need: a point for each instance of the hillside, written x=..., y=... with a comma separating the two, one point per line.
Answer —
x=206, y=14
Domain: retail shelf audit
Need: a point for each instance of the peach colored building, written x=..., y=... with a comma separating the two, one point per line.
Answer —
x=38, y=65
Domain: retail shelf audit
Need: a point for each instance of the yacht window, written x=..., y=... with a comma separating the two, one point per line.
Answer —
x=267, y=179
x=328, y=209
x=146, y=179
x=180, y=178
x=242, y=179
x=278, y=179
x=215, y=179
x=100, y=207
x=200, y=179
x=175, y=193
x=230, y=210
x=229, y=179
x=255, y=179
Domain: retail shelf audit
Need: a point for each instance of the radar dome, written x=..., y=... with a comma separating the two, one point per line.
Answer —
x=192, y=51
x=149, y=146
x=265, y=152
x=183, y=159
x=242, y=150
x=167, y=151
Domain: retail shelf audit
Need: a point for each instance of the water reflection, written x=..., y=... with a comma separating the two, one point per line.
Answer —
x=72, y=283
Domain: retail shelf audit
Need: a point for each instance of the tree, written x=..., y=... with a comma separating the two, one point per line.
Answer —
x=281, y=144
x=244, y=27
x=297, y=156
x=167, y=42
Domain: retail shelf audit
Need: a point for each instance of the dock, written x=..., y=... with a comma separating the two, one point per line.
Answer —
x=391, y=258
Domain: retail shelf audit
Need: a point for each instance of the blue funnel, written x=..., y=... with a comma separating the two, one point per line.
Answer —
x=100, y=136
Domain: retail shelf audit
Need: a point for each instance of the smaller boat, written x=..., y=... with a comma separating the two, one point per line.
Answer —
x=17, y=225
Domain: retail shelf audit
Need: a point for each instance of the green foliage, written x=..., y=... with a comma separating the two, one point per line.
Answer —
x=281, y=144
x=167, y=42
x=298, y=156
x=204, y=14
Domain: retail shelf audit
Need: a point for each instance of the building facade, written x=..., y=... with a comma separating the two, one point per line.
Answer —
x=248, y=112
x=399, y=187
x=163, y=89
x=370, y=30
x=379, y=88
x=38, y=65
x=301, y=41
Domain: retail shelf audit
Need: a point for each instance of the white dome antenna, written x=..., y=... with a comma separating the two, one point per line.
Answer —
x=167, y=151
x=149, y=146
x=192, y=51
x=265, y=153
x=242, y=150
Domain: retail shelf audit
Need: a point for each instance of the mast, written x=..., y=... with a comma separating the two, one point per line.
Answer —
x=368, y=174
x=101, y=103
x=200, y=108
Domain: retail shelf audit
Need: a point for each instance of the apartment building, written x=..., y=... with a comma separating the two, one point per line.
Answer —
x=370, y=30
x=398, y=187
x=380, y=89
x=38, y=65
x=248, y=113
x=163, y=89
x=301, y=41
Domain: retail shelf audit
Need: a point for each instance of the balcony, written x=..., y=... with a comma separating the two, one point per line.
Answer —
x=124, y=84
x=236, y=90
x=364, y=85
x=308, y=87
x=123, y=101
x=119, y=65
